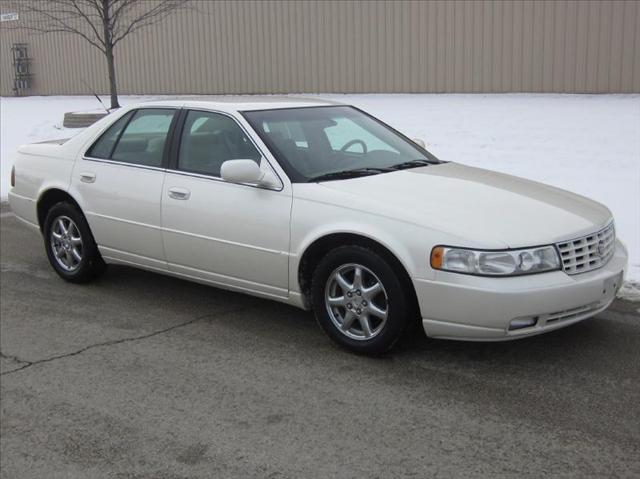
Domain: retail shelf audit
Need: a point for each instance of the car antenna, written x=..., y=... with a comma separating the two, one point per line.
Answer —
x=95, y=94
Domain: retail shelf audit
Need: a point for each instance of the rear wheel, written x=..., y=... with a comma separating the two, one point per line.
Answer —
x=358, y=300
x=70, y=246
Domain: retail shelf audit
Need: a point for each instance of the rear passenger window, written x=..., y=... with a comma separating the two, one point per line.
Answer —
x=143, y=139
x=104, y=146
x=210, y=139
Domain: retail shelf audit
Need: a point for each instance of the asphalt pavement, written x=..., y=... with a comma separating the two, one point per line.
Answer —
x=139, y=375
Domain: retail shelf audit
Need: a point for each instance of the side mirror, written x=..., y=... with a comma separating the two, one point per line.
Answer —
x=248, y=172
x=420, y=142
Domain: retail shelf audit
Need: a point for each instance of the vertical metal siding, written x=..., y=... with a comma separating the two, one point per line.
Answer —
x=280, y=46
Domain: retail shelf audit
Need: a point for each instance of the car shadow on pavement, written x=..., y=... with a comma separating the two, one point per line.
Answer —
x=587, y=342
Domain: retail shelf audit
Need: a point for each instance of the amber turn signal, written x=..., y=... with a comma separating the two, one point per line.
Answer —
x=437, y=254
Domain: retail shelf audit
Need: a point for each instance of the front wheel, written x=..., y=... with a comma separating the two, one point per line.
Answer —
x=70, y=246
x=358, y=300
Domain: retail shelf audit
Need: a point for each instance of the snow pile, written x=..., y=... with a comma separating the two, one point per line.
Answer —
x=630, y=291
x=588, y=144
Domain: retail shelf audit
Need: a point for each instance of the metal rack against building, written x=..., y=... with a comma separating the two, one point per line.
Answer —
x=22, y=68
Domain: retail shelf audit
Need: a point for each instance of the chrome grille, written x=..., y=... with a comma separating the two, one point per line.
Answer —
x=589, y=252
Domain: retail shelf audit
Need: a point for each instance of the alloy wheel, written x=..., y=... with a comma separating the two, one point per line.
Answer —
x=356, y=301
x=66, y=243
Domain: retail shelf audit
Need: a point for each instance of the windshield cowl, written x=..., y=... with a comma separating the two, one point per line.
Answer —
x=346, y=174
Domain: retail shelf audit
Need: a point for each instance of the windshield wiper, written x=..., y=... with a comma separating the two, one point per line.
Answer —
x=343, y=175
x=411, y=164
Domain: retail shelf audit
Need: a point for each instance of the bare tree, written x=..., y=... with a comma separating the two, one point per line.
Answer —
x=101, y=23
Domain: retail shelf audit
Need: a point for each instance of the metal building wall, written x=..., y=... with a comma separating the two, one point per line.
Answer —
x=354, y=46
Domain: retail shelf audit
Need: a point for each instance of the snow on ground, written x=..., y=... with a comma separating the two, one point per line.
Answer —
x=588, y=144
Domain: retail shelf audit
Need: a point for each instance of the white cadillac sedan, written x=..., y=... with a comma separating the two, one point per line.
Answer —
x=324, y=207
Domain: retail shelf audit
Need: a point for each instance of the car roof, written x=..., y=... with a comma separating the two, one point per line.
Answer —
x=231, y=103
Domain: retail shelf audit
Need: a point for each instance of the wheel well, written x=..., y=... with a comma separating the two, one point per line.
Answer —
x=322, y=246
x=50, y=198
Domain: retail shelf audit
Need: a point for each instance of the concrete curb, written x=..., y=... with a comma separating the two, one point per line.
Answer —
x=81, y=120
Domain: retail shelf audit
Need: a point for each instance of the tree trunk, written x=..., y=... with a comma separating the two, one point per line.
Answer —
x=108, y=52
x=113, y=88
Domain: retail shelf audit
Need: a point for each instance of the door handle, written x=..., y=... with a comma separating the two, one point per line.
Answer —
x=179, y=193
x=87, y=177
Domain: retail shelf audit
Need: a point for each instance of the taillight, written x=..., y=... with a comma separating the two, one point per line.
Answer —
x=13, y=176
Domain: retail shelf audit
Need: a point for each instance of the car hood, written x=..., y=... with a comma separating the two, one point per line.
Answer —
x=486, y=208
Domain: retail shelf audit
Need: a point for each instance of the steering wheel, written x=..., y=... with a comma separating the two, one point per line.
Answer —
x=349, y=144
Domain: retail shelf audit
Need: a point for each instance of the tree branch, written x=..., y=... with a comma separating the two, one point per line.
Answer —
x=145, y=19
x=60, y=16
x=65, y=30
x=123, y=17
x=88, y=20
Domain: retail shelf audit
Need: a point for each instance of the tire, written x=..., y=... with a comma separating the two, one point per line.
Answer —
x=70, y=246
x=344, y=307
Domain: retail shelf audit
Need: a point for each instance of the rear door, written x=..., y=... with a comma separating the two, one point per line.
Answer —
x=119, y=181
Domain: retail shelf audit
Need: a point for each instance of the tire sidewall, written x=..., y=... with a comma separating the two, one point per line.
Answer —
x=397, y=301
x=91, y=262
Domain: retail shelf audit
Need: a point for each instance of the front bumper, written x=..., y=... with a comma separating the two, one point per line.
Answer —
x=456, y=306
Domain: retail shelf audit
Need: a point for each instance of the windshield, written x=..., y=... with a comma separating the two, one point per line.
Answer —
x=321, y=143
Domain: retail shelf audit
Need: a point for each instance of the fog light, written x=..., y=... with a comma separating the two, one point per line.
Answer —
x=520, y=323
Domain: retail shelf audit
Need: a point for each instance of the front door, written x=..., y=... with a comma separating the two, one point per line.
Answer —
x=225, y=233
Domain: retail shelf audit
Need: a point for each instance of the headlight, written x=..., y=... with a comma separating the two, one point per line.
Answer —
x=495, y=263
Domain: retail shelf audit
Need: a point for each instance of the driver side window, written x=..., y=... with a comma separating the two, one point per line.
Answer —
x=210, y=139
x=346, y=131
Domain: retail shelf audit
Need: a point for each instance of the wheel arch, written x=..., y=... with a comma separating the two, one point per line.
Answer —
x=49, y=198
x=322, y=245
